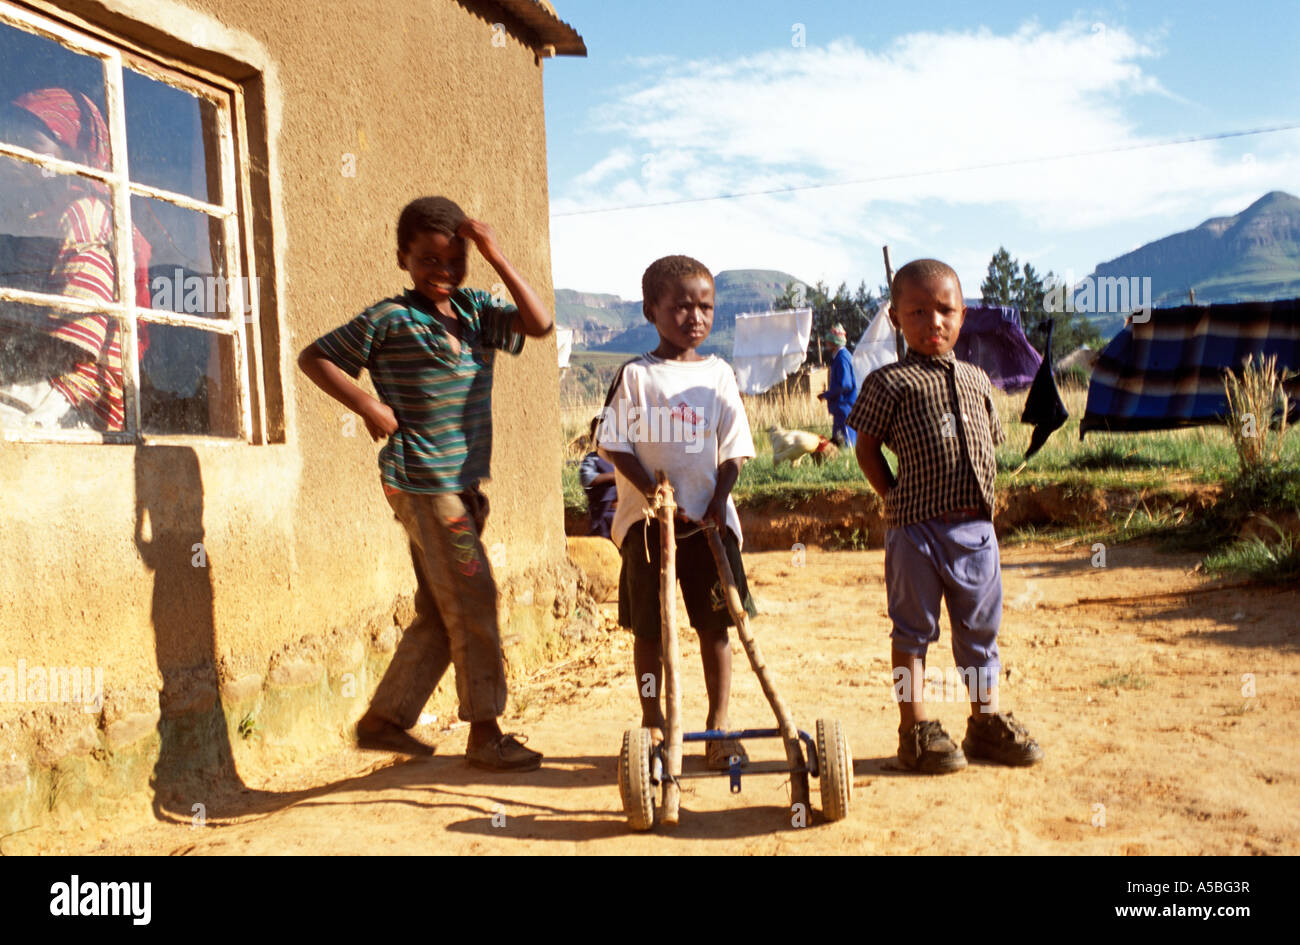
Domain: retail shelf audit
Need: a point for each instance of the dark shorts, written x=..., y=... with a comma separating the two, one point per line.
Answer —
x=706, y=606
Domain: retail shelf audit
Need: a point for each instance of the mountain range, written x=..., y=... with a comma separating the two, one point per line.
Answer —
x=1253, y=255
x=610, y=323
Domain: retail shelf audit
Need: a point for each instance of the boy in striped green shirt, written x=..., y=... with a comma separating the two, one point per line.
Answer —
x=430, y=354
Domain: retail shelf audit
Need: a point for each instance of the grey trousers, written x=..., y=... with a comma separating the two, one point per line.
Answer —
x=455, y=612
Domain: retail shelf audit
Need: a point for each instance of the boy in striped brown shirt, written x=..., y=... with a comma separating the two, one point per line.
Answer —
x=937, y=415
x=430, y=354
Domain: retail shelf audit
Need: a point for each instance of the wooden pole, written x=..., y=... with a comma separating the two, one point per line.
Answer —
x=784, y=721
x=900, y=345
x=665, y=508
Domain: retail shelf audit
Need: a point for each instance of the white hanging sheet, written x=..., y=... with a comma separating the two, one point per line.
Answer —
x=769, y=347
x=564, y=345
x=876, y=347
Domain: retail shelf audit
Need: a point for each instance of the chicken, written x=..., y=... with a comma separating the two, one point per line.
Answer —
x=794, y=445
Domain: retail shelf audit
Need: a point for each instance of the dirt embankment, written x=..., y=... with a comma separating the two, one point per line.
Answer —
x=850, y=518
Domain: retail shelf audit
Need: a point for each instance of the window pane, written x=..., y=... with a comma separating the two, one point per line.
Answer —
x=53, y=98
x=188, y=382
x=171, y=138
x=60, y=371
x=56, y=233
x=187, y=259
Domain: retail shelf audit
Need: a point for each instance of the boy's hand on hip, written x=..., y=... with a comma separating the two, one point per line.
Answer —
x=481, y=234
x=380, y=420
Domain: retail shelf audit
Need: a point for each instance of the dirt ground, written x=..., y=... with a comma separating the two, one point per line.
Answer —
x=1172, y=755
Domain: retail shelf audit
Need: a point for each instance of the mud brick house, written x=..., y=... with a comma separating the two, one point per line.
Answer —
x=211, y=582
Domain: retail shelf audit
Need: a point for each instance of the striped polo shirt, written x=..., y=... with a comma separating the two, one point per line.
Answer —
x=442, y=401
x=937, y=415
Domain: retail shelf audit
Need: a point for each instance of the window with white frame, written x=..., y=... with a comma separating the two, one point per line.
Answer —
x=129, y=307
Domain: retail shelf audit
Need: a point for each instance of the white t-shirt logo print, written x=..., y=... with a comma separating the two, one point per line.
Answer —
x=687, y=414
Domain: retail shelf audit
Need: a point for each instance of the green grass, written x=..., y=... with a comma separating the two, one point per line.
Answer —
x=1271, y=563
x=574, y=497
x=1125, y=680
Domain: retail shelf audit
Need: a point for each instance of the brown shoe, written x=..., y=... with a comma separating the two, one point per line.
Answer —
x=506, y=753
x=388, y=737
x=999, y=737
x=926, y=748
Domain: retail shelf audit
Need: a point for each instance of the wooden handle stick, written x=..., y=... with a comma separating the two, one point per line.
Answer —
x=784, y=721
x=665, y=507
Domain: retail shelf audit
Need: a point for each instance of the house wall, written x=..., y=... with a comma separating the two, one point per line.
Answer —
x=269, y=650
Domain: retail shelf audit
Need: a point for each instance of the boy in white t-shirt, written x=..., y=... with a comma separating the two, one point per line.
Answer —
x=676, y=411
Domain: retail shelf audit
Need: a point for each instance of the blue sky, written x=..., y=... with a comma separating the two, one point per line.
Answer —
x=681, y=101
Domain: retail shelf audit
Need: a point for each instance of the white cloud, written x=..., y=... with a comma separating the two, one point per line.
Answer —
x=612, y=163
x=924, y=106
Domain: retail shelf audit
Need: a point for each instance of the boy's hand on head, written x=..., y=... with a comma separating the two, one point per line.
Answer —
x=380, y=419
x=532, y=318
x=480, y=233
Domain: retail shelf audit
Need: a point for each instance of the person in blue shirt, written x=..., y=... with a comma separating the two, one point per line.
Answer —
x=841, y=390
x=597, y=477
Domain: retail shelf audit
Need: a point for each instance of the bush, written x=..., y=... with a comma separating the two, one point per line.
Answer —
x=1253, y=403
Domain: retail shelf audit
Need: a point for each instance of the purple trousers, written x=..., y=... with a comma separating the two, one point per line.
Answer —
x=929, y=561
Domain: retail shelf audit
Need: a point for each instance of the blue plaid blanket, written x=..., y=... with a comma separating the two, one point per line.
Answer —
x=1168, y=371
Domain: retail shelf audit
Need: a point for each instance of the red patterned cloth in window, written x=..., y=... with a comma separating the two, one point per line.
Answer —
x=84, y=266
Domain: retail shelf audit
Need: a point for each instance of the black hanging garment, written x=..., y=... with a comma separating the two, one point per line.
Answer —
x=1043, y=406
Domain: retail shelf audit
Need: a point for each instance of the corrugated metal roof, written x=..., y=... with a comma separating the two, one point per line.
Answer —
x=540, y=17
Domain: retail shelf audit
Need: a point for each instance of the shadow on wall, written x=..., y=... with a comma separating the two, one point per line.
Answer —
x=195, y=763
x=195, y=779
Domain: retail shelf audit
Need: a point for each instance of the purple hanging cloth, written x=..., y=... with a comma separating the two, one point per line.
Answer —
x=991, y=338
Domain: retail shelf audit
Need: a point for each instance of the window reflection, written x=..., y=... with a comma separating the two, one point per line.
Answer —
x=30, y=62
x=59, y=371
x=187, y=264
x=188, y=382
x=171, y=138
x=56, y=237
x=63, y=369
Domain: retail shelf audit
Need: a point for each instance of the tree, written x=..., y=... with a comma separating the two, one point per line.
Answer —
x=1008, y=284
x=1073, y=329
x=794, y=295
x=1003, y=284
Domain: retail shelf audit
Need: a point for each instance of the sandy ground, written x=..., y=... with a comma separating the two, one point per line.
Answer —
x=1169, y=758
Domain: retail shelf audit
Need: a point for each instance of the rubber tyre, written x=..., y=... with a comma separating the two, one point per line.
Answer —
x=634, y=779
x=836, y=769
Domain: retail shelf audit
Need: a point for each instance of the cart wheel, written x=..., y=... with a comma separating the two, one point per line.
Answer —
x=634, y=782
x=836, y=767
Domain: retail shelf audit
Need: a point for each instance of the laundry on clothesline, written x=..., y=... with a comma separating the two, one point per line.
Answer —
x=769, y=346
x=1168, y=371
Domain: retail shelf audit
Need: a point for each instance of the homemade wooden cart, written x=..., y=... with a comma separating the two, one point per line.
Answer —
x=643, y=767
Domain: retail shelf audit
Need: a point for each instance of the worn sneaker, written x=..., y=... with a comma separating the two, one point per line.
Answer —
x=388, y=737
x=927, y=748
x=999, y=737
x=506, y=753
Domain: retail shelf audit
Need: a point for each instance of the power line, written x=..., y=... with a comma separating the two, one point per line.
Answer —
x=935, y=171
